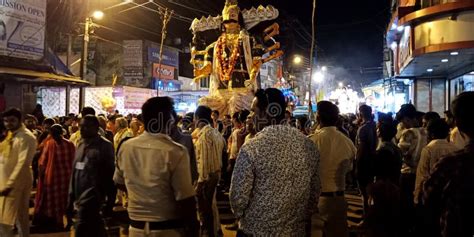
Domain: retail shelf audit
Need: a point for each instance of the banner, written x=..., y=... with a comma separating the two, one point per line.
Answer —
x=167, y=72
x=22, y=28
x=132, y=53
x=170, y=56
x=136, y=97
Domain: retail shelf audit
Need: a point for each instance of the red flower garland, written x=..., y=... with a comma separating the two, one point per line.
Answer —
x=226, y=64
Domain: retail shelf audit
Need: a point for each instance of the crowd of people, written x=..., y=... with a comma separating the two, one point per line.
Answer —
x=285, y=176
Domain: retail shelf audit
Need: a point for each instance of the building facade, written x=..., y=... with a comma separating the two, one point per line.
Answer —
x=432, y=43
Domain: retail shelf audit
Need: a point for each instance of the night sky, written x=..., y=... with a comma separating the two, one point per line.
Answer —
x=349, y=33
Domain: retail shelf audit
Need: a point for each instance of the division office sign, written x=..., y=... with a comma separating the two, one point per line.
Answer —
x=22, y=28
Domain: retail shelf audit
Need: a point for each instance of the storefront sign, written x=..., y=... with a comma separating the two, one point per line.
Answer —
x=22, y=28
x=136, y=97
x=170, y=56
x=167, y=72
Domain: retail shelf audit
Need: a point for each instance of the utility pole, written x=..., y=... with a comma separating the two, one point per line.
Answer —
x=84, y=55
x=166, y=19
x=69, y=57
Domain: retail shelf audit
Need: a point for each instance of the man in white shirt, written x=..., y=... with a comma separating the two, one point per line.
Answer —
x=438, y=132
x=16, y=154
x=155, y=171
x=411, y=142
x=209, y=149
x=337, y=153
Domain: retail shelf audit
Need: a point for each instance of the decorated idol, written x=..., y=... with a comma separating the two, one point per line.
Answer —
x=233, y=61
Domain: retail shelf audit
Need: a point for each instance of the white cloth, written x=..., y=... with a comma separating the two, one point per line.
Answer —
x=411, y=143
x=156, y=172
x=209, y=147
x=459, y=139
x=15, y=173
x=337, y=153
x=430, y=155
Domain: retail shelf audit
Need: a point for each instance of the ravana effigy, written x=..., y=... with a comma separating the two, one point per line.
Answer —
x=245, y=40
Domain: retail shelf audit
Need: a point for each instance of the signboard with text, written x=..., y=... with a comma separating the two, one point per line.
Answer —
x=136, y=97
x=167, y=72
x=22, y=28
x=170, y=56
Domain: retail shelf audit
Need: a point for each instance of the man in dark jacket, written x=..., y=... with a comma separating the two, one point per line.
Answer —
x=92, y=190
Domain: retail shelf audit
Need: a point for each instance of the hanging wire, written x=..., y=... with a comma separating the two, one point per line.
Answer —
x=188, y=7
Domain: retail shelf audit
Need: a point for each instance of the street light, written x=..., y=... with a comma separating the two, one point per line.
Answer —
x=98, y=15
x=324, y=68
x=341, y=84
x=318, y=77
x=297, y=60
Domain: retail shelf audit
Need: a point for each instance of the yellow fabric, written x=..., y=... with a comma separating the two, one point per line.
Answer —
x=6, y=145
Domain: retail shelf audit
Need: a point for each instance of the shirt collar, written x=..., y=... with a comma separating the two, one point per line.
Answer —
x=331, y=128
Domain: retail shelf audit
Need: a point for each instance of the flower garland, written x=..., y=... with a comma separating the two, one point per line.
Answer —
x=226, y=64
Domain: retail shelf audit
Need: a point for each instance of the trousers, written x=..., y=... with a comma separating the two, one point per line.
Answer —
x=205, y=196
x=133, y=232
x=333, y=214
x=90, y=222
x=22, y=218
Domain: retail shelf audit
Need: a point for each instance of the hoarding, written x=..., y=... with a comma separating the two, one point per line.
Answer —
x=22, y=28
x=167, y=72
x=170, y=56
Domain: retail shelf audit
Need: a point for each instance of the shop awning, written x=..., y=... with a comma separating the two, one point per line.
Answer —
x=30, y=75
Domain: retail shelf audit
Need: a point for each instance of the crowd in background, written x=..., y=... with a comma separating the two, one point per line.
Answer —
x=285, y=176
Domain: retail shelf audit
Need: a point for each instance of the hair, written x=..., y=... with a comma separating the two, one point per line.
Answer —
x=122, y=123
x=102, y=122
x=32, y=117
x=92, y=119
x=407, y=111
x=429, y=116
x=243, y=115
x=366, y=112
x=216, y=112
x=13, y=112
x=56, y=131
x=203, y=114
x=273, y=102
x=328, y=113
x=227, y=116
x=438, y=129
x=448, y=114
x=463, y=113
x=236, y=116
x=157, y=113
x=49, y=121
x=303, y=121
x=387, y=130
x=87, y=111
x=385, y=118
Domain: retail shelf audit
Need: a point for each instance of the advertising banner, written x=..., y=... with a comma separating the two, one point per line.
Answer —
x=22, y=28
x=167, y=72
x=136, y=97
x=132, y=53
x=170, y=56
